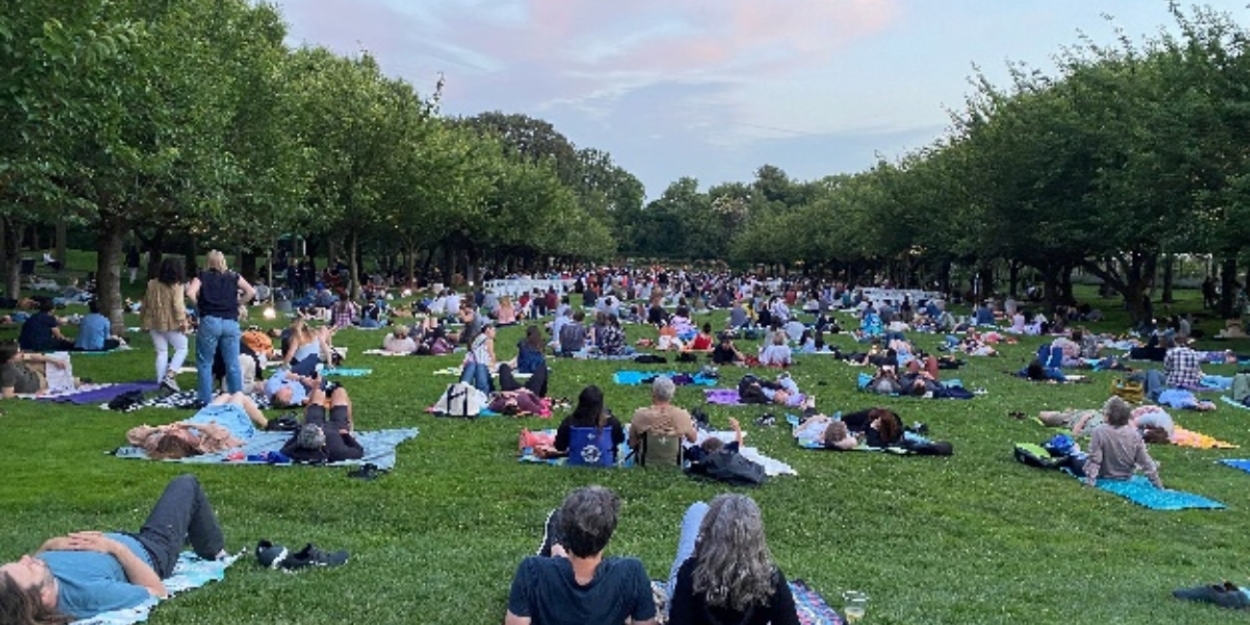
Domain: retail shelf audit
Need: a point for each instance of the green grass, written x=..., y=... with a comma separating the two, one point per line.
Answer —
x=974, y=538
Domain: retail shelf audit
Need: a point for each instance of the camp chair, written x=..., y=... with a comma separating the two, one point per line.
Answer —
x=591, y=447
x=660, y=449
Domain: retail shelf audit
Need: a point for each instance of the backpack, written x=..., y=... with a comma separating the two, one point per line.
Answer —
x=125, y=401
x=460, y=400
x=728, y=467
x=1037, y=456
x=1240, y=390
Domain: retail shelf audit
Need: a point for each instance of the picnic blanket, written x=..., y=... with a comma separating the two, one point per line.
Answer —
x=1237, y=463
x=94, y=393
x=1234, y=403
x=457, y=371
x=189, y=573
x=812, y=608
x=1140, y=491
x=730, y=397
x=635, y=378
x=949, y=389
x=383, y=352
x=379, y=450
x=344, y=372
x=1189, y=438
x=119, y=348
x=184, y=400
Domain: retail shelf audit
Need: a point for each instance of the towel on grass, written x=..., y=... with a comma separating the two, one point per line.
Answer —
x=383, y=352
x=189, y=573
x=1234, y=403
x=723, y=397
x=1189, y=438
x=1237, y=463
x=119, y=348
x=812, y=608
x=1140, y=491
x=96, y=393
x=185, y=399
x=379, y=449
x=344, y=372
x=635, y=378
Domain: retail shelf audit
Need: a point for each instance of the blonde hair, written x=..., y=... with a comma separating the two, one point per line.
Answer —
x=216, y=261
x=401, y=331
x=779, y=338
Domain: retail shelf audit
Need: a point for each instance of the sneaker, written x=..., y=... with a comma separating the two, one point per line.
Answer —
x=766, y=420
x=1225, y=595
x=170, y=384
x=310, y=556
x=551, y=535
x=269, y=555
x=367, y=472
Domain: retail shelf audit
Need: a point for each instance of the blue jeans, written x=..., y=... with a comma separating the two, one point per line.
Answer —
x=216, y=334
x=477, y=376
x=685, y=545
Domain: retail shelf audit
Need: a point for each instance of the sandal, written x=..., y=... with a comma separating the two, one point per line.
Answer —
x=1015, y=414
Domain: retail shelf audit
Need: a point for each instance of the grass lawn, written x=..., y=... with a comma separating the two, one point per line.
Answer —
x=974, y=538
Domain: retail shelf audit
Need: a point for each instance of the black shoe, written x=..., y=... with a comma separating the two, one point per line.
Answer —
x=311, y=556
x=551, y=536
x=1225, y=595
x=367, y=472
x=766, y=420
x=269, y=555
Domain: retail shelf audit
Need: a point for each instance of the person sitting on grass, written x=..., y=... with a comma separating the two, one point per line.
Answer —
x=42, y=331
x=224, y=424
x=726, y=353
x=321, y=440
x=778, y=353
x=589, y=413
x=16, y=377
x=399, y=341
x=724, y=572
x=702, y=342
x=1116, y=450
x=570, y=581
x=84, y=574
x=661, y=416
x=95, y=332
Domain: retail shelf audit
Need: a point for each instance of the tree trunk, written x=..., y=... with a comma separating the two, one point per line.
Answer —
x=353, y=264
x=59, y=254
x=1065, y=286
x=1050, y=287
x=1228, y=286
x=1013, y=276
x=109, y=242
x=247, y=266
x=1169, y=272
x=11, y=238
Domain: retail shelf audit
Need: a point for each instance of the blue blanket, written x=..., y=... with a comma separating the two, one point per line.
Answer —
x=1140, y=491
x=341, y=372
x=189, y=573
x=1234, y=403
x=1243, y=465
x=379, y=449
x=634, y=378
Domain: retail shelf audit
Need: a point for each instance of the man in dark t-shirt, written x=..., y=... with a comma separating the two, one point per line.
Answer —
x=42, y=332
x=570, y=582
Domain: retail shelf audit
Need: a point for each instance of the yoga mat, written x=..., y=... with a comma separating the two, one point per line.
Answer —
x=97, y=393
x=189, y=573
x=811, y=607
x=723, y=397
x=1140, y=491
x=1241, y=464
x=635, y=378
x=1197, y=440
x=379, y=449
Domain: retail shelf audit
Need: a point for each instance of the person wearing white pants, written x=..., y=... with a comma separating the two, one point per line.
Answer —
x=164, y=316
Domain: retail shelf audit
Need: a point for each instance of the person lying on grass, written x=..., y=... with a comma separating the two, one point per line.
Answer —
x=570, y=581
x=874, y=427
x=712, y=445
x=16, y=377
x=1116, y=449
x=783, y=392
x=83, y=574
x=322, y=440
x=224, y=424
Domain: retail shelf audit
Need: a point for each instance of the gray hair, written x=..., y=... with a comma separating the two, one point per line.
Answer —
x=1117, y=411
x=663, y=388
x=734, y=568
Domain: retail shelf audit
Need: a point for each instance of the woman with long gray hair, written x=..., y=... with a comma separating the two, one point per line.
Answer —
x=724, y=572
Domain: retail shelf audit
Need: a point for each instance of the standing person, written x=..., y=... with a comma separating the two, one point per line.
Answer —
x=132, y=262
x=218, y=293
x=164, y=316
x=88, y=573
x=724, y=572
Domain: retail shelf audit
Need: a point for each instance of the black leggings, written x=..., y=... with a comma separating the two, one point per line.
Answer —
x=536, y=384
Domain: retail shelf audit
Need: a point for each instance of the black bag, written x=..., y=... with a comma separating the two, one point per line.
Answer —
x=729, y=467
x=286, y=423
x=126, y=400
x=687, y=357
x=650, y=359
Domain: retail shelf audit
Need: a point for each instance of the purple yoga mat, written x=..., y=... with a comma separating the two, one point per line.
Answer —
x=723, y=397
x=101, y=395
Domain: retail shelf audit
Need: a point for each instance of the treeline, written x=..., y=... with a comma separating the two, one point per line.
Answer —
x=191, y=123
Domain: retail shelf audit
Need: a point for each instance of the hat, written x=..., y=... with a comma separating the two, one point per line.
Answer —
x=310, y=436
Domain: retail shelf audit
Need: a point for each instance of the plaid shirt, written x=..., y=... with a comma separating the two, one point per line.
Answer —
x=1183, y=367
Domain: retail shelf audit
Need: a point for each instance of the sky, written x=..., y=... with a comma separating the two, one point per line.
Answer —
x=713, y=89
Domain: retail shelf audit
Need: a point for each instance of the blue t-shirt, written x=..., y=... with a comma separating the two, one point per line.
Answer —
x=278, y=381
x=93, y=330
x=91, y=582
x=546, y=591
x=36, y=332
x=229, y=416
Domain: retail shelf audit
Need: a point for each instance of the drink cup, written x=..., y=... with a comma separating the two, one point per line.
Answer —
x=854, y=604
